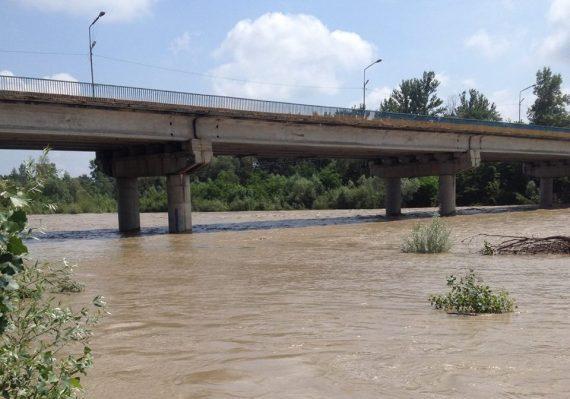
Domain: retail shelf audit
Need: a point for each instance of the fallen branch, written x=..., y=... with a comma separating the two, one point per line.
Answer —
x=525, y=245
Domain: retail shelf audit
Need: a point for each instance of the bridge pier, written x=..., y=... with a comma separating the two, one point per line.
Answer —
x=444, y=165
x=173, y=160
x=447, y=195
x=546, y=192
x=128, y=204
x=179, y=204
x=393, y=199
x=547, y=171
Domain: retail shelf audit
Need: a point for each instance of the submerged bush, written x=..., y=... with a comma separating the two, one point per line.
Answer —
x=428, y=238
x=470, y=295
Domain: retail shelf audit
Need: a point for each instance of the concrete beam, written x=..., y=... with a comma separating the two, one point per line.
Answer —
x=91, y=127
x=426, y=165
x=393, y=196
x=547, y=169
x=179, y=204
x=185, y=159
x=447, y=195
x=128, y=205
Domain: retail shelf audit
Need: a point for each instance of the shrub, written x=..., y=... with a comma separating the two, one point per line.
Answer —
x=470, y=295
x=38, y=335
x=428, y=238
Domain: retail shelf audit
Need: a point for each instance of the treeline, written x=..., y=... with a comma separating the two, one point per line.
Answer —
x=241, y=184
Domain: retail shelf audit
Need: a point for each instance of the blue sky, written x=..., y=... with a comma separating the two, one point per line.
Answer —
x=295, y=50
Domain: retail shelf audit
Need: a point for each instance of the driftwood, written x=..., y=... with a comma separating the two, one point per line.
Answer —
x=525, y=245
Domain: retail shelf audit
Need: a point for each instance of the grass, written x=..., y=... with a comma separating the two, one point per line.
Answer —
x=428, y=238
x=470, y=295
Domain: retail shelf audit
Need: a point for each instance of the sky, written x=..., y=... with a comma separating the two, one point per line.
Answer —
x=311, y=52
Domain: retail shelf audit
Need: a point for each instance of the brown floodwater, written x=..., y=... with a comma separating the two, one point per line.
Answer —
x=314, y=304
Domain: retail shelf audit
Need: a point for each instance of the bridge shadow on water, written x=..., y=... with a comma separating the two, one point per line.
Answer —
x=272, y=224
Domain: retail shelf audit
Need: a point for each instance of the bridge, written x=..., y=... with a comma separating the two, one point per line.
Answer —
x=139, y=132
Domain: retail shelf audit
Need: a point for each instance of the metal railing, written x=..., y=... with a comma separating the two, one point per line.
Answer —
x=104, y=91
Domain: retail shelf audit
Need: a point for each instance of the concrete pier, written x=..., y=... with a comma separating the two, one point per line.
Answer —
x=179, y=205
x=447, y=195
x=393, y=196
x=128, y=204
x=546, y=192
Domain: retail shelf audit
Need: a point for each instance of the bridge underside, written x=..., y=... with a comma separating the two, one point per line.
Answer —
x=133, y=140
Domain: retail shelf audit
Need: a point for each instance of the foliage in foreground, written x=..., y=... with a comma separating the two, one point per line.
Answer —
x=470, y=295
x=428, y=238
x=39, y=336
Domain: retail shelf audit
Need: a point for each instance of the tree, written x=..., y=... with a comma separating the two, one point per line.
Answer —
x=416, y=96
x=477, y=106
x=550, y=105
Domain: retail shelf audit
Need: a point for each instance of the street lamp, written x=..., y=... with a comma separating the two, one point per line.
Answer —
x=522, y=99
x=91, y=45
x=365, y=82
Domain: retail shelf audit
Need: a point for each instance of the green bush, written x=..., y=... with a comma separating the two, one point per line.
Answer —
x=470, y=295
x=428, y=238
x=38, y=335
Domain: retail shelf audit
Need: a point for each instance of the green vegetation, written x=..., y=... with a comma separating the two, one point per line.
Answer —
x=248, y=183
x=469, y=295
x=416, y=96
x=550, y=107
x=429, y=238
x=39, y=336
x=477, y=106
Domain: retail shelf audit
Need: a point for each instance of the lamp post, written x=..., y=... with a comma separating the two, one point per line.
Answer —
x=365, y=82
x=91, y=45
x=522, y=99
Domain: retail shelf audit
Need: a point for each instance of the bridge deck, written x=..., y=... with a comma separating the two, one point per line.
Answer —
x=66, y=128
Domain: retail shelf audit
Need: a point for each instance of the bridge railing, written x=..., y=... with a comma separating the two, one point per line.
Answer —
x=105, y=91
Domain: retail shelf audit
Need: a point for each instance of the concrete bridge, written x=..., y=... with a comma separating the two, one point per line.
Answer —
x=140, y=132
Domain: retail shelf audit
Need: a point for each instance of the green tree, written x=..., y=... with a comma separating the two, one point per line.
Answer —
x=550, y=105
x=416, y=96
x=475, y=106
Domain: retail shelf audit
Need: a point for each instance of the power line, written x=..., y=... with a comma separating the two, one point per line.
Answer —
x=40, y=52
x=176, y=70
x=210, y=76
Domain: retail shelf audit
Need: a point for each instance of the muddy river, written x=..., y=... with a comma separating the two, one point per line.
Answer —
x=314, y=304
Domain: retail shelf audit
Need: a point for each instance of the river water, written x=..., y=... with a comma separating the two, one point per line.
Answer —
x=314, y=304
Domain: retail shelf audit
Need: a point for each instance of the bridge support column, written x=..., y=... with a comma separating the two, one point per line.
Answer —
x=128, y=204
x=547, y=171
x=393, y=200
x=546, y=192
x=447, y=195
x=444, y=165
x=179, y=205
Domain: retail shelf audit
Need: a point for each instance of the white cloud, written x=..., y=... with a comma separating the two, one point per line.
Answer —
x=373, y=98
x=557, y=44
x=6, y=72
x=180, y=43
x=469, y=83
x=290, y=50
x=559, y=11
x=443, y=79
x=116, y=10
x=61, y=76
x=508, y=104
x=489, y=46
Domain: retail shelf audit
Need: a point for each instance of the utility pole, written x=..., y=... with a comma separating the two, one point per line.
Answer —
x=522, y=99
x=365, y=82
x=91, y=45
